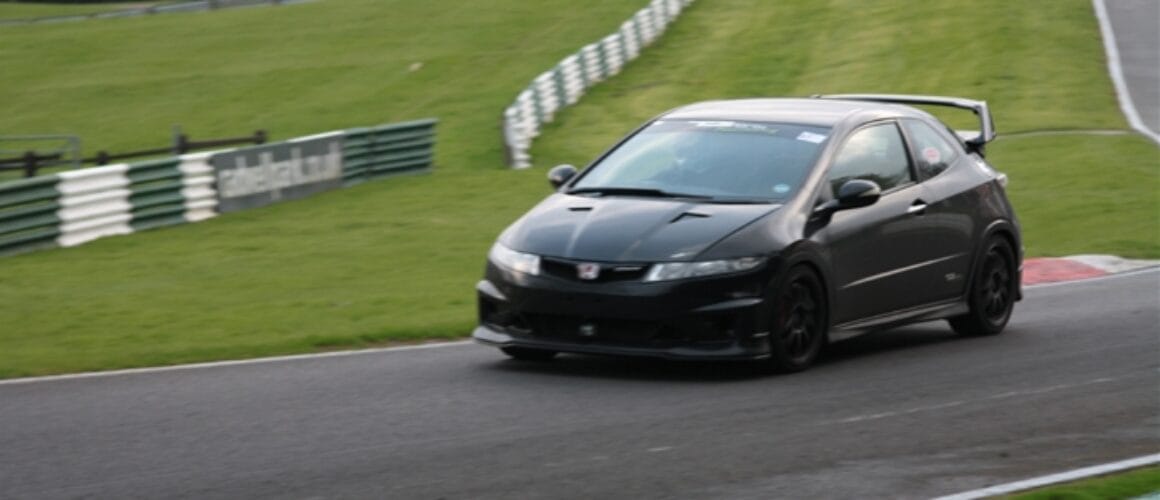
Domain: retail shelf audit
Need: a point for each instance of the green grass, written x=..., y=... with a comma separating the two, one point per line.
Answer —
x=1038, y=63
x=121, y=84
x=354, y=267
x=1120, y=486
x=396, y=260
x=1084, y=194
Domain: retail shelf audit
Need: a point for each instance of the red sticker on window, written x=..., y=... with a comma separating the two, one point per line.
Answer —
x=931, y=155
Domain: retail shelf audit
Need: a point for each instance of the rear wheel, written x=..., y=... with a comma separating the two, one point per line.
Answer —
x=526, y=354
x=992, y=294
x=799, y=323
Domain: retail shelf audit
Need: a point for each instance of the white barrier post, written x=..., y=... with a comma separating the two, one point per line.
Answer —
x=197, y=179
x=94, y=202
x=565, y=84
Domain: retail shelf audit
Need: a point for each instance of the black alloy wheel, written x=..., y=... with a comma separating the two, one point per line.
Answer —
x=526, y=354
x=992, y=295
x=799, y=322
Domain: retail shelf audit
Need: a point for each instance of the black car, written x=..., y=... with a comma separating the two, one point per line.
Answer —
x=760, y=229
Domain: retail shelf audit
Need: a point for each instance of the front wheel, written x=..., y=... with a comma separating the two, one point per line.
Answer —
x=992, y=294
x=526, y=354
x=799, y=323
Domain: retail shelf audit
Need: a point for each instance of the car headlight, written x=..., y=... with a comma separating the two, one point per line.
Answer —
x=513, y=260
x=680, y=270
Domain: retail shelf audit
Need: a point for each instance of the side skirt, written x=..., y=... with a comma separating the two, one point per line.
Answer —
x=928, y=312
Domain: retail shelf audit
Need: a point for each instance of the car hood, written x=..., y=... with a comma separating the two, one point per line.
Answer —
x=626, y=229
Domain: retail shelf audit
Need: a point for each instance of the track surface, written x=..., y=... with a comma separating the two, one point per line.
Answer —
x=915, y=413
x=1136, y=24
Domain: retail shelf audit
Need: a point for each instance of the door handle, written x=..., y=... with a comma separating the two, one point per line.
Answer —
x=917, y=208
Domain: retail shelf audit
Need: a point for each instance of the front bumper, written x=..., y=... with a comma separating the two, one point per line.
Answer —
x=719, y=318
x=727, y=351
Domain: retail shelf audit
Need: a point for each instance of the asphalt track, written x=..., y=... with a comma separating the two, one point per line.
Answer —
x=910, y=413
x=1136, y=28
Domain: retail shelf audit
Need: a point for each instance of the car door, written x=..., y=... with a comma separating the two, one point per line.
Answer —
x=881, y=256
x=950, y=212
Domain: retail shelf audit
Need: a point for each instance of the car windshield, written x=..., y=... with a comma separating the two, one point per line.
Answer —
x=719, y=161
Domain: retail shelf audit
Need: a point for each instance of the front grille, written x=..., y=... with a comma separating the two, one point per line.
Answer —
x=570, y=328
x=582, y=329
x=609, y=272
x=630, y=332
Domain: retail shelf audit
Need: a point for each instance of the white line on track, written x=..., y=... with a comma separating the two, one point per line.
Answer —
x=1115, y=68
x=952, y=404
x=381, y=350
x=236, y=362
x=1063, y=477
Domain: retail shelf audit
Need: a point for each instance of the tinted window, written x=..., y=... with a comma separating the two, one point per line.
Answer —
x=718, y=158
x=935, y=154
x=875, y=153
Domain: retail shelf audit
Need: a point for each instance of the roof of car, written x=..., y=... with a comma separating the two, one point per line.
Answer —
x=821, y=112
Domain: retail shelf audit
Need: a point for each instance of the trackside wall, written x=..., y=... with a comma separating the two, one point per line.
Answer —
x=74, y=207
x=566, y=83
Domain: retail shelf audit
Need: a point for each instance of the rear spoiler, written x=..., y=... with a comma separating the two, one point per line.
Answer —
x=974, y=139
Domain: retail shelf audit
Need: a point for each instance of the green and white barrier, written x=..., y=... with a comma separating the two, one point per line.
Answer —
x=94, y=203
x=74, y=207
x=198, y=187
x=566, y=83
x=398, y=148
x=156, y=193
x=126, y=198
x=28, y=214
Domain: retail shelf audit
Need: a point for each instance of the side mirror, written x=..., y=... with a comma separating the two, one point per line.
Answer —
x=560, y=174
x=854, y=193
x=858, y=193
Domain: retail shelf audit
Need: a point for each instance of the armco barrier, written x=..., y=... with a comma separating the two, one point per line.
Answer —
x=156, y=198
x=564, y=84
x=28, y=219
x=74, y=207
x=94, y=202
x=375, y=152
x=126, y=198
x=197, y=187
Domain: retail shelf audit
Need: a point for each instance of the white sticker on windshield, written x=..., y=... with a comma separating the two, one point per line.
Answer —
x=811, y=137
x=713, y=124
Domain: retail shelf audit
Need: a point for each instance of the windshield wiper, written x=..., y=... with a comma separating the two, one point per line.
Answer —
x=743, y=201
x=631, y=191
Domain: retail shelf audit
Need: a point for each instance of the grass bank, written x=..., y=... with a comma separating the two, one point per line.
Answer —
x=376, y=263
x=1138, y=483
x=121, y=84
x=1038, y=63
x=397, y=259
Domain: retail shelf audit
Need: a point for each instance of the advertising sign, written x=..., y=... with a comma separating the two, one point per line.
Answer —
x=258, y=176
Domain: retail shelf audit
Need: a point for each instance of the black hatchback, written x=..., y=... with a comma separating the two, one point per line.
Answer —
x=760, y=229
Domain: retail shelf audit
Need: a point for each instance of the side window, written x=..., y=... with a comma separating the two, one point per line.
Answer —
x=875, y=153
x=935, y=154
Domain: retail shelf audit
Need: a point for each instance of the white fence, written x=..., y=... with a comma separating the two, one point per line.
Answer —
x=566, y=83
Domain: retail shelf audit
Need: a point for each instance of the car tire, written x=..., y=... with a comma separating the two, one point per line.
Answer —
x=991, y=298
x=800, y=321
x=526, y=354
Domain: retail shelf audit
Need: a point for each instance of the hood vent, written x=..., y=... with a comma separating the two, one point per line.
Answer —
x=688, y=215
